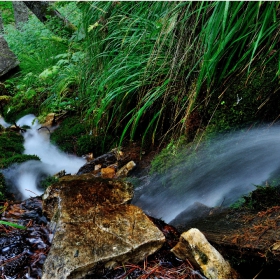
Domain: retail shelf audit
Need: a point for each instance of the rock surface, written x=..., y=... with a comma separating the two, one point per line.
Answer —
x=104, y=161
x=49, y=120
x=95, y=225
x=8, y=60
x=123, y=172
x=194, y=246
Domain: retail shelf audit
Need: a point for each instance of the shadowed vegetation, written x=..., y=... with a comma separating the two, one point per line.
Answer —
x=152, y=70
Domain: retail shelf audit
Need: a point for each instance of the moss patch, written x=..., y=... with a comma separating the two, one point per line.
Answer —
x=11, y=144
x=17, y=159
x=75, y=137
x=3, y=187
x=11, y=149
x=243, y=100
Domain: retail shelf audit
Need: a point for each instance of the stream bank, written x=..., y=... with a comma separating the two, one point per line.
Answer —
x=164, y=256
x=247, y=237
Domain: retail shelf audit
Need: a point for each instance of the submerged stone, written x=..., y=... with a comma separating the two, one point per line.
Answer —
x=94, y=225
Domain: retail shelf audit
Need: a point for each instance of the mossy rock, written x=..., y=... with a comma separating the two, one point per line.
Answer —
x=73, y=136
x=245, y=100
x=4, y=163
x=15, y=112
x=3, y=187
x=47, y=181
x=262, y=198
x=5, y=99
x=11, y=149
x=11, y=143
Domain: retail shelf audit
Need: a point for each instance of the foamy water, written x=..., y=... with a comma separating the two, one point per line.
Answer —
x=25, y=177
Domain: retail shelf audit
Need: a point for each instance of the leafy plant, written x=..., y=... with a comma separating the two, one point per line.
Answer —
x=12, y=224
x=145, y=70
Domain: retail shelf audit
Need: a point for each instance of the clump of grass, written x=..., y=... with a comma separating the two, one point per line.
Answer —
x=140, y=70
x=146, y=67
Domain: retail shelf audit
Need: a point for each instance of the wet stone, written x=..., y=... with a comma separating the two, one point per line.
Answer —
x=22, y=252
x=94, y=225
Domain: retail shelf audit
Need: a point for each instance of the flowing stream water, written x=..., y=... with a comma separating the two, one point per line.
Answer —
x=218, y=173
x=25, y=177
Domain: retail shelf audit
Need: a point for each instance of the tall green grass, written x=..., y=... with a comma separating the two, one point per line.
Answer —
x=139, y=69
x=147, y=62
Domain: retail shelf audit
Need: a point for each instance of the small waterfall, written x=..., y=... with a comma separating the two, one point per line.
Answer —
x=24, y=178
x=218, y=173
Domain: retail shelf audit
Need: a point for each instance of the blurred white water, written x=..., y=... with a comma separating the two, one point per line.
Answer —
x=217, y=174
x=25, y=177
x=3, y=123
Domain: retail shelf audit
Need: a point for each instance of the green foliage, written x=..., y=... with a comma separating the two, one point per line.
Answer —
x=16, y=111
x=4, y=163
x=7, y=12
x=127, y=69
x=75, y=137
x=3, y=187
x=139, y=75
x=130, y=72
x=11, y=143
x=49, y=66
x=260, y=199
x=38, y=50
x=12, y=224
x=49, y=180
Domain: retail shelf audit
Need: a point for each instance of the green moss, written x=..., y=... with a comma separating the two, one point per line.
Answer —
x=3, y=187
x=260, y=199
x=74, y=136
x=11, y=149
x=4, y=163
x=49, y=180
x=203, y=257
x=66, y=136
x=246, y=100
x=11, y=143
x=15, y=112
x=7, y=12
x=171, y=156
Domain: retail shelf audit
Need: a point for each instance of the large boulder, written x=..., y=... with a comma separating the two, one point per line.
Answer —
x=94, y=226
x=8, y=59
